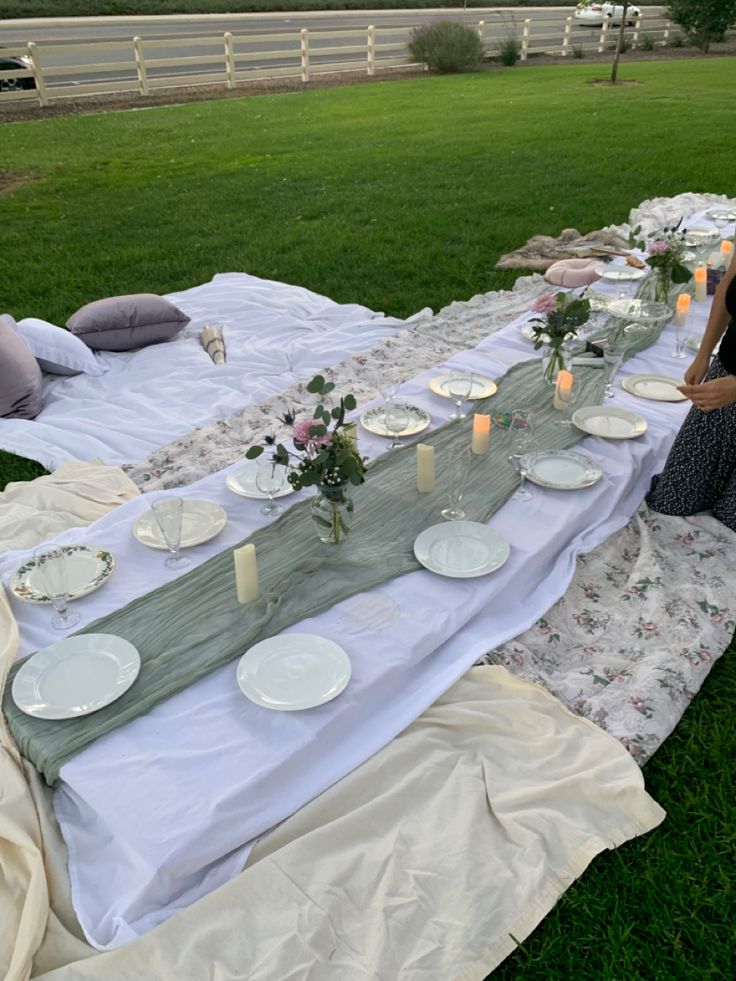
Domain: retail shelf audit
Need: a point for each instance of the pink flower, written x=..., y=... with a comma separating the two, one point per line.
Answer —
x=545, y=303
x=657, y=246
x=302, y=435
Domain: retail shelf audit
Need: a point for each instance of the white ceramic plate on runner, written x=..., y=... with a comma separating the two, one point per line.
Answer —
x=659, y=388
x=461, y=549
x=243, y=482
x=200, y=522
x=374, y=420
x=293, y=671
x=561, y=469
x=480, y=389
x=644, y=311
x=88, y=567
x=610, y=423
x=76, y=676
x=619, y=271
x=721, y=214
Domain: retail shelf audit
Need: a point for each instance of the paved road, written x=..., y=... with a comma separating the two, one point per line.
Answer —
x=95, y=31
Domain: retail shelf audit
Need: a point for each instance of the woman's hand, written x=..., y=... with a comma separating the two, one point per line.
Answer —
x=697, y=370
x=712, y=394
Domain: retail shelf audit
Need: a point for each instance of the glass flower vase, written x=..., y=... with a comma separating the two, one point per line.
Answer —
x=332, y=513
x=662, y=285
x=554, y=359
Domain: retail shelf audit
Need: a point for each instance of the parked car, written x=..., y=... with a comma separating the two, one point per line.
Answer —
x=596, y=13
x=7, y=64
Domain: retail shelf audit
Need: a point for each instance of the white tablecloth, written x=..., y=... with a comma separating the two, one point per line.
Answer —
x=159, y=812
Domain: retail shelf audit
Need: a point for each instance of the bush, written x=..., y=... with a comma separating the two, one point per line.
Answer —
x=704, y=21
x=578, y=51
x=446, y=46
x=647, y=42
x=509, y=50
x=677, y=41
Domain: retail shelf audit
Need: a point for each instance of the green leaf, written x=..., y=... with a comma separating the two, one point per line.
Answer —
x=254, y=452
x=349, y=402
x=317, y=430
x=680, y=274
x=327, y=388
x=316, y=385
x=336, y=413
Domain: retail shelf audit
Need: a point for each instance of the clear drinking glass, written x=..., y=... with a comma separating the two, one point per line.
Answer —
x=52, y=571
x=677, y=351
x=522, y=445
x=169, y=512
x=569, y=401
x=270, y=479
x=396, y=420
x=459, y=386
x=456, y=468
x=613, y=355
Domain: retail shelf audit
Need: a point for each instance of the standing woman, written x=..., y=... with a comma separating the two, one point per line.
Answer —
x=700, y=472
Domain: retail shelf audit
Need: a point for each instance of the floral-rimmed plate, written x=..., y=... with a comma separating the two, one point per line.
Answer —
x=561, y=469
x=481, y=387
x=87, y=568
x=721, y=214
x=201, y=521
x=374, y=420
x=76, y=676
x=609, y=423
x=658, y=388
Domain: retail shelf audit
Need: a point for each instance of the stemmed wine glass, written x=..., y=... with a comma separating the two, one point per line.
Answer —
x=459, y=386
x=613, y=355
x=522, y=445
x=396, y=420
x=270, y=479
x=169, y=512
x=456, y=470
x=52, y=571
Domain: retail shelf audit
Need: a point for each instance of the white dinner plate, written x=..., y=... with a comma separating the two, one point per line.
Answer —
x=293, y=671
x=659, y=388
x=76, y=676
x=461, y=549
x=608, y=422
x=374, y=420
x=200, y=522
x=645, y=311
x=480, y=389
x=561, y=469
x=88, y=567
x=619, y=271
x=243, y=482
x=721, y=214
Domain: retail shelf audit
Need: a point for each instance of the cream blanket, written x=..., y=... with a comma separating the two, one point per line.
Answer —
x=74, y=495
x=429, y=861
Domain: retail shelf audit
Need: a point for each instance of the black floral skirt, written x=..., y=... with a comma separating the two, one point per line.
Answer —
x=700, y=472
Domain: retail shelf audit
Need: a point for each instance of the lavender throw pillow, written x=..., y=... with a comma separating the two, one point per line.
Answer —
x=21, y=384
x=122, y=323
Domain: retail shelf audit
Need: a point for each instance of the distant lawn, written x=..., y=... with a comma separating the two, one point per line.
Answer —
x=398, y=196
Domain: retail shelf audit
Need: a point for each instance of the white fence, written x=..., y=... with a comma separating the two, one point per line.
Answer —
x=137, y=65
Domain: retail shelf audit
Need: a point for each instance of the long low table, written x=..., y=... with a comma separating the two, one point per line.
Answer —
x=160, y=812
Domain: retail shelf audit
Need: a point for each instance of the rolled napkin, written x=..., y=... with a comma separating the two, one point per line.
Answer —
x=213, y=343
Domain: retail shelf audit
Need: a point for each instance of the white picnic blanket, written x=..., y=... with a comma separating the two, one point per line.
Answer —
x=276, y=334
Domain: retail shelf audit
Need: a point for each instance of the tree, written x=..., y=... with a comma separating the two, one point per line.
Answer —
x=620, y=40
x=704, y=21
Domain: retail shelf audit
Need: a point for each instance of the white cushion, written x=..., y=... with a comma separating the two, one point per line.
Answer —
x=57, y=350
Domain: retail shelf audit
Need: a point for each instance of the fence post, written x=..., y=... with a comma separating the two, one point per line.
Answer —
x=666, y=35
x=525, y=40
x=566, y=36
x=371, y=67
x=635, y=35
x=305, y=53
x=481, y=28
x=38, y=73
x=140, y=65
x=229, y=60
x=604, y=35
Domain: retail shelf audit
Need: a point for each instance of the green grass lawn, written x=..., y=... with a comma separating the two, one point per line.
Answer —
x=401, y=195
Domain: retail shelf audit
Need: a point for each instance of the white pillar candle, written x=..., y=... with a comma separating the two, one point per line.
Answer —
x=246, y=574
x=701, y=283
x=563, y=389
x=681, y=310
x=481, y=433
x=425, y=468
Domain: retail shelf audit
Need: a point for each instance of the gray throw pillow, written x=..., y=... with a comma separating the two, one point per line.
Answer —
x=21, y=383
x=122, y=323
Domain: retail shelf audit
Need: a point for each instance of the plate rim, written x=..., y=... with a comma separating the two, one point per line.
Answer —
x=434, y=386
x=651, y=398
x=448, y=526
x=72, y=713
x=634, y=272
x=339, y=650
x=632, y=316
x=565, y=487
x=409, y=431
x=98, y=581
x=258, y=496
x=201, y=541
x=611, y=410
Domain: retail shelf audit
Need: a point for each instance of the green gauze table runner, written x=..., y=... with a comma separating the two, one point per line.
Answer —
x=192, y=626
